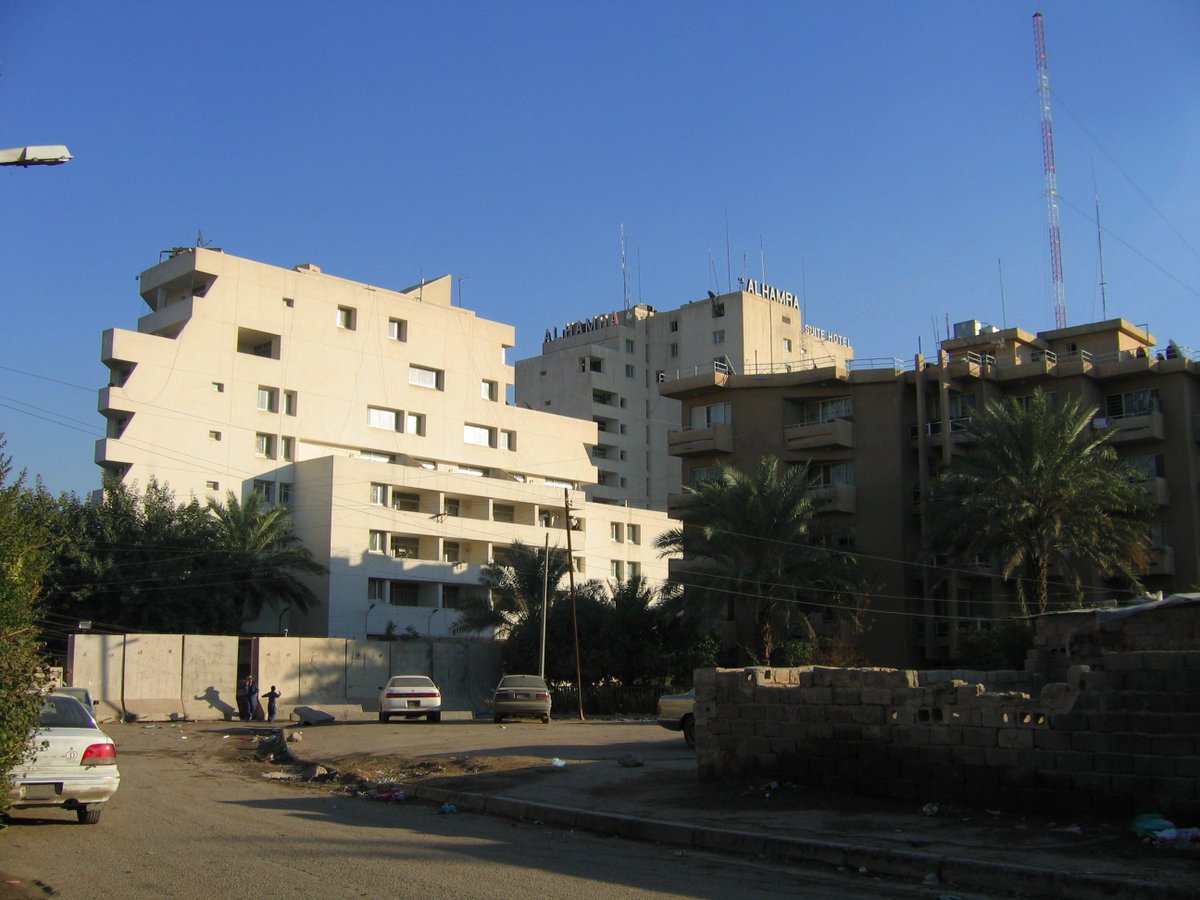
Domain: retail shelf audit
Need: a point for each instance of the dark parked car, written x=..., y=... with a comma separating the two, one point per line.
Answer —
x=521, y=695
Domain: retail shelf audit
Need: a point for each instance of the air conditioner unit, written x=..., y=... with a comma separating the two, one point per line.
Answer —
x=1101, y=422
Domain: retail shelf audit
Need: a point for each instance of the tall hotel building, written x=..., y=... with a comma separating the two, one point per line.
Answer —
x=606, y=369
x=378, y=416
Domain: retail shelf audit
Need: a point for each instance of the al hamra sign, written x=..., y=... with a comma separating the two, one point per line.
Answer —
x=790, y=300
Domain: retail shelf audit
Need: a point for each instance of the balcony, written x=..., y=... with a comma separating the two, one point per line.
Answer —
x=688, y=382
x=1132, y=428
x=1159, y=561
x=677, y=502
x=1157, y=489
x=833, y=498
x=818, y=435
x=113, y=400
x=1036, y=364
x=690, y=441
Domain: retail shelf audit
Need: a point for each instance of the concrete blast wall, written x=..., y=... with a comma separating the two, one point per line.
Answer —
x=172, y=676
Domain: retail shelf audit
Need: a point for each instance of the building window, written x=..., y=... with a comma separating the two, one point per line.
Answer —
x=712, y=414
x=508, y=440
x=451, y=552
x=404, y=593
x=630, y=371
x=289, y=302
x=218, y=387
x=488, y=390
x=266, y=349
x=287, y=448
x=419, y=376
x=285, y=492
x=718, y=310
x=414, y=423
x=265, y=490
x=787, y=345
x=616, y=568
x=404, y=547
x=634, y=533
x=406, y=502
x=674, y=350
x=345, y=317
x=452, y=506
x=1132, y=403
x=387, y=419
x=214, y=435
x=268, y=399
x=379, y=494
x=264, y=445
x=635, y=570
x=616, y=531
x=212, y=485
x=719, y=337
x=703, y=473
x=817, y=412
x=630, y=346
x=397, y=329
x=479, y=435
x=578, y=563
x=289, y=403
x=503, y=512
x=376, y=589
x=829, y=474
x=674, y=325
x=377, y=542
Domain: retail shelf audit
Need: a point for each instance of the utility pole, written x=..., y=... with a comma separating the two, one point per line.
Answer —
x=574, y=613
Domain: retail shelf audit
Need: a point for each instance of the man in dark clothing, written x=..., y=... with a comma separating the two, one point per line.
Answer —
x=249, y=698
x=272, y=695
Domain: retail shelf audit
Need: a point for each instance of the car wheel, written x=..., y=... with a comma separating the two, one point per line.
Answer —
x=498, y=719
x=434, y=717
x=384, y=717
x=88, y=815
x=546, y=719
x=689, y=731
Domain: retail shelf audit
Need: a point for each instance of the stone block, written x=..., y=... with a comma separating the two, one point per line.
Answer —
x=877, y=696
x=1113, y=763
x=822, y=695
x=1149, y=723
x=967, y=756
x=1089, y=742
x=1093, y=782
x=1038, y=760
x=917, y=735
x=1173, y=745
x=868, y=715
x=1186, y=723
x=899, y=715
x=848, y=736
x=1107, y=721
x=1000, y=757
x=768, y=728
x=1164, y=660
x=946, y=736
x=1146, y=681
x=1014, y=738
x=1070, y=761
x=979, y=737
x=1154, y=766
x=1047, y=739
x=1123, y=662
x=1077, y=677
x=847, y=696
x=1072, y=721
x=1018, y=778
x=822, y=676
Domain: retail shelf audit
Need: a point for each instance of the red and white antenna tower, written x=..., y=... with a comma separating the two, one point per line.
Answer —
x=1060, y=295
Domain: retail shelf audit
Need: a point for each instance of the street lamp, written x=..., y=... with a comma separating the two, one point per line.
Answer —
x=43, y=155
x=365, y=618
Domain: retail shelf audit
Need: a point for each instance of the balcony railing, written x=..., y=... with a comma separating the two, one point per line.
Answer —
x=711, y=439
x=814, y=435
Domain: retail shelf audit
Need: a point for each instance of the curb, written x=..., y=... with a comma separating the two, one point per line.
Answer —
x=906, y=864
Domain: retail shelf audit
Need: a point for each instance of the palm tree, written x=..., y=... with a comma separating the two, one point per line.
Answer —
x=1044, y=493
x=258, y=557
x=515, y=584
x=751, y=539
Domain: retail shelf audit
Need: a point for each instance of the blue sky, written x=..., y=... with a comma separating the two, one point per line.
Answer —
x=881, y=159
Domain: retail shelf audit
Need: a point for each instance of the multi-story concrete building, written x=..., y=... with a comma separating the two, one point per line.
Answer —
x=873, y=439
x=606, y=370
x=378, y=416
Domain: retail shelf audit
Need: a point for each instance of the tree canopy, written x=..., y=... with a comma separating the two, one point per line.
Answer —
x=1044, y=494
x=752, y=540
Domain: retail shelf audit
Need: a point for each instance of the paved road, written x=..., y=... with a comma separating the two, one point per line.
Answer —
x=187, y=824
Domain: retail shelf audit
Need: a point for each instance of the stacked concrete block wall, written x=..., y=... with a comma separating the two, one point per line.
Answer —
x=1119, y=739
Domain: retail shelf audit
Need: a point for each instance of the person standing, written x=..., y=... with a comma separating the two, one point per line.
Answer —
x=272, y=695
x=249, y=695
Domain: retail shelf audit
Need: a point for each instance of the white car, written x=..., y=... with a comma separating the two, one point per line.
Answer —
x=74, y=765
x=411, y=696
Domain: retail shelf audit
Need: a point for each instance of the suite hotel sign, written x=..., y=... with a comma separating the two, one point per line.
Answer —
x=790, y=300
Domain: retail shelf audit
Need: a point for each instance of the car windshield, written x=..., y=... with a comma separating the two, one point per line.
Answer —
x=522, y=681
x=411, y=681
x=64, y=712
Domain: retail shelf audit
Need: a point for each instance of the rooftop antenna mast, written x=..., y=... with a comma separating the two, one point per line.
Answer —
x=1060, y=297
x=1100, y=250
x=624, y=270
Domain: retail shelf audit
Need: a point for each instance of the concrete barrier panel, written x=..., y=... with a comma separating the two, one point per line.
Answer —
x=154, y=676
x=366, y=669
x=97, y=662
x=323, y=671
x=210, y=677
x=279, y=664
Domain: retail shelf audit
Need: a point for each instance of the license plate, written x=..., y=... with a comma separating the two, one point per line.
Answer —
x=414, y=704
x=41, y=791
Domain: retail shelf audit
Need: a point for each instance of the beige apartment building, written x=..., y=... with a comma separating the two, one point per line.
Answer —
x=606, y=369
x=377, y=416
x=874, y=437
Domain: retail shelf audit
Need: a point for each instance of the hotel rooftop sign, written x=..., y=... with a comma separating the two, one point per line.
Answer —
x=791, y=301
